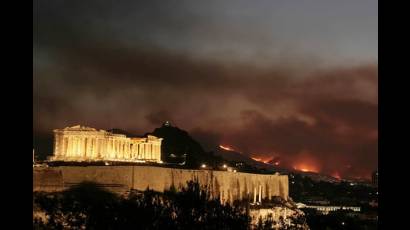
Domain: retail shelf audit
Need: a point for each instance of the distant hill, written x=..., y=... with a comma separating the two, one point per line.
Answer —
x=239, y=157
x=178, y=142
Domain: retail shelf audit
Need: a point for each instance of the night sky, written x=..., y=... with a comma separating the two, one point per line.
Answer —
x=290, y=79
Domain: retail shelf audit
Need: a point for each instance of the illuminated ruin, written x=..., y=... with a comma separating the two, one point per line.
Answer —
x=80, y=143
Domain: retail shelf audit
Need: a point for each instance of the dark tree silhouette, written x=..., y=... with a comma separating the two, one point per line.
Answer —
x=87, y=206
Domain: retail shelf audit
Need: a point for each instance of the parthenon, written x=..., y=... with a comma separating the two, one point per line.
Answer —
x=80, y=143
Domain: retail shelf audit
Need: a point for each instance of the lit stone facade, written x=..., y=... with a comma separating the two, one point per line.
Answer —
x=79, y=143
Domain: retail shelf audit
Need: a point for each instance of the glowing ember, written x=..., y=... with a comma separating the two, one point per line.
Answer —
x=336, y=175
x=257, y=159
x=266, y=161
x=226, y=148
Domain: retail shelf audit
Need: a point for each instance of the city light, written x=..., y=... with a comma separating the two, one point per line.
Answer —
x=225, y=166
x=203, y=166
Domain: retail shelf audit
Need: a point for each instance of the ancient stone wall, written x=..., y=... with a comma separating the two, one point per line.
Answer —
x=47, y=180
x=227, y=185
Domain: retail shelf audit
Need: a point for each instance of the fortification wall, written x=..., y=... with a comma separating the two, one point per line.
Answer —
x=227, y=185
x=47, y=180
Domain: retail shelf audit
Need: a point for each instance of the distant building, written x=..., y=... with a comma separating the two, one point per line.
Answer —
x=326, y=209
x=375, y=178
x=80, y=143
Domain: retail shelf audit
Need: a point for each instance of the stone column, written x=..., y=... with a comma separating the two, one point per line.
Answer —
x=159, y=152
x=132, y=149
x=260, y=194
x=151, y=147
x=69, y=146
x=138, y=148
x=72, y=145
x=79, y=147
x=97, y=147
x=65, y=142
x=75, y=147
x=106, y=153
x=148, y=151
x=153, y=153
x=83, y=146
x=144, y=151
x=117, y=149
x=103, y=148
x=140, y=152
x=100, y=147
x=90, y=147
x=112, y=148
x=94, y=144
x=127, y=150
x=86, y=146
x=121, y=149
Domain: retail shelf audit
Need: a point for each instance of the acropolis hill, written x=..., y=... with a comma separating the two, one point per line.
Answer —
x=85, y=144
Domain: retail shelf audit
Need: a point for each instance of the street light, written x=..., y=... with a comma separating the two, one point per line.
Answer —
x=224, y=166
x=203, y=166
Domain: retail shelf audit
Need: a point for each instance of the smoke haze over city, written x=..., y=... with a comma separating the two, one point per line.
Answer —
x=296, y=81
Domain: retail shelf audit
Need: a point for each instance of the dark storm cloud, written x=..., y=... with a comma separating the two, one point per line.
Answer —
x=133, y=66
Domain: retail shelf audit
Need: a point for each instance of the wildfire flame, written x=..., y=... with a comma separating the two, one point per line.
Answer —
x=224, y=147
x=266, y=161
x=257, y=159
x=306, y=168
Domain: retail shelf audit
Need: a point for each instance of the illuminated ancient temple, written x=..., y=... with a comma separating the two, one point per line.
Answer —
x=80, y=143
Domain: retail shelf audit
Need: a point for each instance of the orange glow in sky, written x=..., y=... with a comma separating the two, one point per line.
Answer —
x=306, y=168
